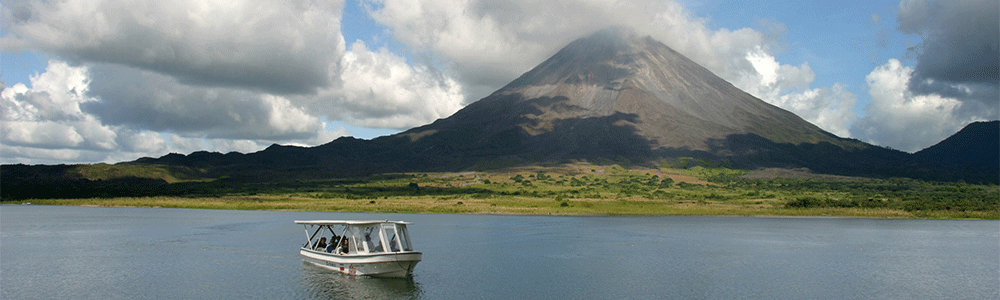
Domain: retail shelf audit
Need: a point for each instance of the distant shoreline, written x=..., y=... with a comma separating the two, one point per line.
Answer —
x=578, y=190
x=521, y=207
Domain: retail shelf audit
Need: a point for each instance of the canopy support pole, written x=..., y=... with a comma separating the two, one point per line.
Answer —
x=308, y=240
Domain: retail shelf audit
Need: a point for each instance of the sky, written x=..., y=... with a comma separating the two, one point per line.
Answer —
x=90, y=81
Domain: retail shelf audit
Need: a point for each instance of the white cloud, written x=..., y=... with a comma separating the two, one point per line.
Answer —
x=45, y=134
x=279, y=46
x=787, y=86
x=380, y=89
x=263, y=71
x=829, y=108
x=48, y=115
x=142, y=142
x=901, y=119
x=766, y=67
x=491, y=42
x=56, y=94
x=60, y=119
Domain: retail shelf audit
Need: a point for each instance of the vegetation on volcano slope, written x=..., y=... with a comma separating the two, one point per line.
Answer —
x=582, y=189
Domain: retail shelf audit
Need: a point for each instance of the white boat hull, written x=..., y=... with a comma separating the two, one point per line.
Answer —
x=391, y=264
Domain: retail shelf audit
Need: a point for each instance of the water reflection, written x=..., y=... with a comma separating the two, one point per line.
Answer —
x=322, y=283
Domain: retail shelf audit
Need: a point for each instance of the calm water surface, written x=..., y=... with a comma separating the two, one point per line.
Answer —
x=51, y=252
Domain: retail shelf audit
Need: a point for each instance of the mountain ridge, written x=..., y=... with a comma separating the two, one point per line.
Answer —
x=975, y=149
x=966, y=145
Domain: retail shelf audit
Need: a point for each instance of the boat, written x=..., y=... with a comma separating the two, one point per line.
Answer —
x=372, y=248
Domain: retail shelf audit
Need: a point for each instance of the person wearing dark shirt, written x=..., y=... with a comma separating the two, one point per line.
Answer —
x=321, y=245
x=343, y=245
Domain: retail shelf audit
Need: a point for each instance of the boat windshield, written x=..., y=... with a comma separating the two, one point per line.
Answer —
x=389, y=232
x=373, y=243
x=404, y=237
x=357, y=244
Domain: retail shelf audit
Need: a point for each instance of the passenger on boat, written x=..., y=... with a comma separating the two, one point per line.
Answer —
x=332, y=245
x=343, y=245
x=321, y=245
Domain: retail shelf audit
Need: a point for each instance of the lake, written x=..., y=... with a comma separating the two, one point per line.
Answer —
x=51, y=252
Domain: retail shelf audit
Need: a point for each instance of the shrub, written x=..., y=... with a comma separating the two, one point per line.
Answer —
x=666, y=183
x=805, y=202
x=685, y=185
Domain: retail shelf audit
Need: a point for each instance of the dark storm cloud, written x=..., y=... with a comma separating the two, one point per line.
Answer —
x=281, y=74
x=145, y=100
x=959, y=55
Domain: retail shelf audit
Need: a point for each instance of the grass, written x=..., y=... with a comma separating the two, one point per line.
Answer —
x=585, y=189
x=514, y=205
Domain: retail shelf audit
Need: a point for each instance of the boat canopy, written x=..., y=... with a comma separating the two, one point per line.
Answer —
x=359, y=237
x=345, y=222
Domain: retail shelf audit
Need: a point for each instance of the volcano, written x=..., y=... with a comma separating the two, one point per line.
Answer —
x=616, y=95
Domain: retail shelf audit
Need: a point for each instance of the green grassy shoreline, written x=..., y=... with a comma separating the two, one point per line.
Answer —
x=590, y=190
x=508, y=207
